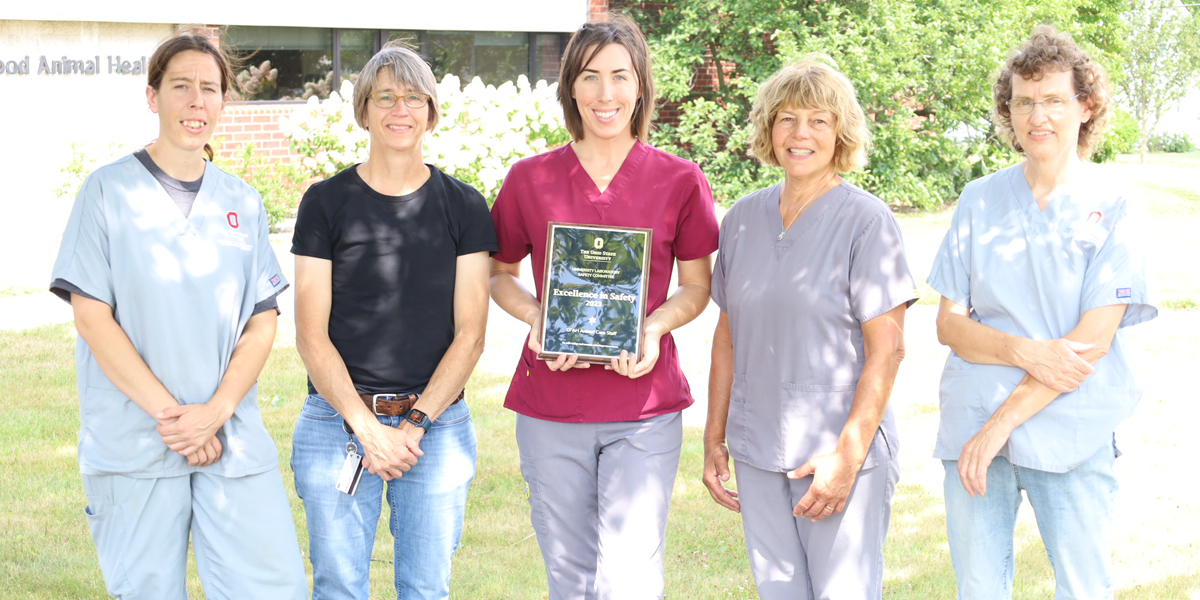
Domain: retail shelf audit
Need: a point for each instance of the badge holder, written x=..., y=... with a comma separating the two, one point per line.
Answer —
x=352, y=469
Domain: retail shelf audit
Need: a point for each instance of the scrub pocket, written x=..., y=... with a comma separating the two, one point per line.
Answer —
x=109, y=536
x=811, y=419
x=736, y=431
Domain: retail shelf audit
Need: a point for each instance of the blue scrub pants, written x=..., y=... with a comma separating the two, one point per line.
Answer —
x=241, y=527
x=1074, y=516
x=427, y=505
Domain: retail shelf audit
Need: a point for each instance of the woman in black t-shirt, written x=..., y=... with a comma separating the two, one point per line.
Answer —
x=391, y=305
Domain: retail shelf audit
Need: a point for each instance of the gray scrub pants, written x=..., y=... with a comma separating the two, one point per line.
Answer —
x=839, y=557
x=598, y=498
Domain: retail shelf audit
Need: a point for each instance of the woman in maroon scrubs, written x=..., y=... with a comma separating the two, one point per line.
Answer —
x=600, y=445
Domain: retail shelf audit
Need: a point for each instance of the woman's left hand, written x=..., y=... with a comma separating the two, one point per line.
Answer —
x=188, y=427
x=833, y=478
x=977, y=455
x=627, y=364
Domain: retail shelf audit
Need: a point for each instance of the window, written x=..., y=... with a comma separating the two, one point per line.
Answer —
x=303, y=60
x=355, y=48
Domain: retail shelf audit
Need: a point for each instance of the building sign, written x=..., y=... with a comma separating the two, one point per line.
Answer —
x=115, y=65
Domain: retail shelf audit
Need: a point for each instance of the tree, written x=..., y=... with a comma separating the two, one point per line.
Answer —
x=1161, y=60
x=923, y=72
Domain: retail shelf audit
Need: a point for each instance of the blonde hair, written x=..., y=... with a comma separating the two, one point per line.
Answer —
x=813, y=84
x=408, y=69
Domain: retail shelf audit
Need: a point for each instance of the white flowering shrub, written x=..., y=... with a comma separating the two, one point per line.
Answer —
x=484, y=129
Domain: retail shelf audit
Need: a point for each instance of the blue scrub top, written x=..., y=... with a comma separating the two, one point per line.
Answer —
x=182, y=289
x=1033, y=273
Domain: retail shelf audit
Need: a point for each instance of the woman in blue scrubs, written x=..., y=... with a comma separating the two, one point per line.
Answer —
x=166, y=263
x=1039, y=272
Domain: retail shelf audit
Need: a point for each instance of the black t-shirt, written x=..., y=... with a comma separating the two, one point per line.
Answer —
x=394, y=260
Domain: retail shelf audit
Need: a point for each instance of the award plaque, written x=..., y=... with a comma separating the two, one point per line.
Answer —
x=594, y=291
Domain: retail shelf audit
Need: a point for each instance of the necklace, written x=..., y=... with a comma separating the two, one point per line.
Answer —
x=802, y=207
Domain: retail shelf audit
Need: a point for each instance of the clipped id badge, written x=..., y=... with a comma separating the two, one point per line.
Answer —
x=352, y=470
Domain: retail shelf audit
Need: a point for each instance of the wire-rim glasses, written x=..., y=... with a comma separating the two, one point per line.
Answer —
x=389, y=100
x=1024, y=106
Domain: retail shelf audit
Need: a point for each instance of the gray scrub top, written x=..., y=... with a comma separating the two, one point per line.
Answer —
x=182, y=289
x=1033, y=273
x=796, y=308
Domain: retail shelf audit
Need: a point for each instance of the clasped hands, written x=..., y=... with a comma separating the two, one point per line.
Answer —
x=191, y=430
x=627, y=364
x=389, y=452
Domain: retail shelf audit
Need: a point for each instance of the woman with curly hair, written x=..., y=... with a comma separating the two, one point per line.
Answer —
x=1039, y=272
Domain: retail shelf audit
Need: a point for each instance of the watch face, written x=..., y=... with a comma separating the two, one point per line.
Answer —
x=417, y=417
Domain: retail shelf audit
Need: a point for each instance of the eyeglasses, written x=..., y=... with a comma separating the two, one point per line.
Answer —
x=1024, y=106
x=389, y=100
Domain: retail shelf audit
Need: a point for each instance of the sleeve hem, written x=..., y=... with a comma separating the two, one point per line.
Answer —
x=501, y=257
x=310, y=253
x=689, y=257
x=491, y=249
x=1137, y=312
x=953, y=296
x=890, y=305
x=63, y=288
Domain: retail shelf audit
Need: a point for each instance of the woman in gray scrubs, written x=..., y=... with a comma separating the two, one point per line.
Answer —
x=812, y=283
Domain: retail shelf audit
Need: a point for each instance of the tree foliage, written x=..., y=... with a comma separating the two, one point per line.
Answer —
x=923, y=73
x=1161, y=61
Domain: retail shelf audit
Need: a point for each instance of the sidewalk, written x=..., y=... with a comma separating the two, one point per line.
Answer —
x=33, y=310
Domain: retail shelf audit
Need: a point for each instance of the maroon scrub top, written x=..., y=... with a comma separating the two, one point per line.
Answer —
x=652, y=189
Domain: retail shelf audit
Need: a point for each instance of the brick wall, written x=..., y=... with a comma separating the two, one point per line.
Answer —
x=597, y=10
x=704, y=79
x=257, y=122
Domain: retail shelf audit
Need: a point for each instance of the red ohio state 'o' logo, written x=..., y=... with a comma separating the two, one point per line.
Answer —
x=232, y=218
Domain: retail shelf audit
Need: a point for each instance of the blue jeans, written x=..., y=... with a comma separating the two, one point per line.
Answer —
x=1074, y=516
x=427, y=505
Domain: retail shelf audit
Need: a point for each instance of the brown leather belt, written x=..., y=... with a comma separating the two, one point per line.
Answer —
x=395, y=405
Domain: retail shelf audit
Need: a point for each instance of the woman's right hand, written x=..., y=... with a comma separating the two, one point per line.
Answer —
x=564, y=361
x=716, y=473
x=205, y=455
x=1057, y=363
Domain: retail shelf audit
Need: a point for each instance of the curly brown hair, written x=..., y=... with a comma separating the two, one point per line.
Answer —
x=1050, y=51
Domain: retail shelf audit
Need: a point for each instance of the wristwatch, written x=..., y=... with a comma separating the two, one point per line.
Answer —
x=418, y=418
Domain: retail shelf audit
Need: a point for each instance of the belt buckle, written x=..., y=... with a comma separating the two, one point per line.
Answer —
x=375, y=401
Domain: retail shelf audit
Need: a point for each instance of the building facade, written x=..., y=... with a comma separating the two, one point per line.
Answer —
x=73, y=82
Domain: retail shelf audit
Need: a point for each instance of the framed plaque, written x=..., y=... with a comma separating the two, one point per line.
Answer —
x=594, y=291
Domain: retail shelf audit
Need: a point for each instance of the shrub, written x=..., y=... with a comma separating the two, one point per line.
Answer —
x=279, y=183
x=1171, y=142
x=483, y=131
x=1122, y=137
x=83, y=162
